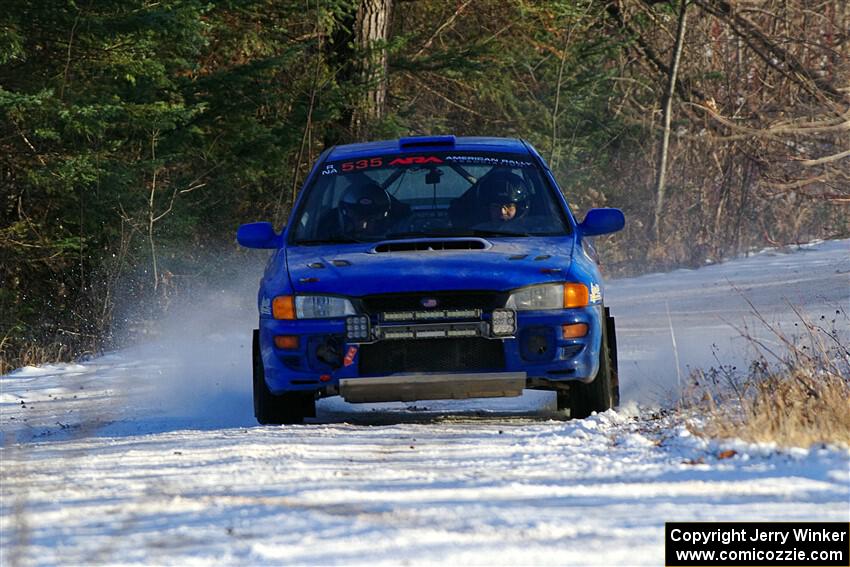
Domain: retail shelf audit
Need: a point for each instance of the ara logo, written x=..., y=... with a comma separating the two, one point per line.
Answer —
x=266, y=306
x=595, y=293
x=429, y=302
x=415, y=160
x=329, y=170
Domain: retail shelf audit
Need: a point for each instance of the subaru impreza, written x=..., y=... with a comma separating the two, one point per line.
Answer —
x=435, y=267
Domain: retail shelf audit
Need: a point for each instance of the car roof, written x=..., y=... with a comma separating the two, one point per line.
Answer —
x=421, y=144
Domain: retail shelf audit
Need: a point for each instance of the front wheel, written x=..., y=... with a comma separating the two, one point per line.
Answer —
x=603, y=392
x=270, y=409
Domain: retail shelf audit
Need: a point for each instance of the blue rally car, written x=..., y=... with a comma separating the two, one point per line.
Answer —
x=431, y=268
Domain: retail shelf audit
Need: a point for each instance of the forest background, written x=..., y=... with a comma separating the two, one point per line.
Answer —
x=135, y=136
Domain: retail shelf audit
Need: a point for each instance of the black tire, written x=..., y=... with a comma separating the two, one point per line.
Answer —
x=563, y=394
x=603, y=392
x=270, y=409
x=612, y=352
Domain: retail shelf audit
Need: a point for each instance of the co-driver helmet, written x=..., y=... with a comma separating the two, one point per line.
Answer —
x=504, y=188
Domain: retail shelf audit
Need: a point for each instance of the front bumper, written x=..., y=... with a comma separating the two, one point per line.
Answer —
x=325, y=360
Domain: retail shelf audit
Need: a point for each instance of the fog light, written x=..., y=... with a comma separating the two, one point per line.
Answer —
x=569, y=351
x=357, y=328
x=574, y=331
x=504, y=322
x=288, y=342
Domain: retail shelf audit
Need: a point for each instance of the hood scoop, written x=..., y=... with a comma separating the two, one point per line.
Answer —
x=432, y=245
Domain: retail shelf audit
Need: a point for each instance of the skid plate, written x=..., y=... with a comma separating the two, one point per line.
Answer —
x=413, y=387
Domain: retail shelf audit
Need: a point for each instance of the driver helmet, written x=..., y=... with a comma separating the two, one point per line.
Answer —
x=362, y=204
x=506, y=195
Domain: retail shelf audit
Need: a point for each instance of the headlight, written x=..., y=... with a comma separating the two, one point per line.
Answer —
x=549, y=296
x=322, y=306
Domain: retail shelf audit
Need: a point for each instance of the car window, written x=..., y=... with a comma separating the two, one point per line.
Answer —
x=433, y=194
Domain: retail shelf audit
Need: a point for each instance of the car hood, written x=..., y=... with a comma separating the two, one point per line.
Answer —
x=358, y=269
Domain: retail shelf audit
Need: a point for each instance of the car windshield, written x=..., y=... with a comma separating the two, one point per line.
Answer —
x=433, y=194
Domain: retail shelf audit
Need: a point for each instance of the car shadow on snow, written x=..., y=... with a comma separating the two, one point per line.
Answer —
x=531, y=406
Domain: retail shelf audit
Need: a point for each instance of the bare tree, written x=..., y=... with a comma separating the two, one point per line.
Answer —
x=661, y=179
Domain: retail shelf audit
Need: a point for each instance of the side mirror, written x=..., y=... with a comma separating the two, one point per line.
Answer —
x=602, y=221
x=258, y=235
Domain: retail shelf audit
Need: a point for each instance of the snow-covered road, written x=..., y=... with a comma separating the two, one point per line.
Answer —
x=150, y=455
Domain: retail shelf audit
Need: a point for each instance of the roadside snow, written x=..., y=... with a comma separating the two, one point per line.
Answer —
x=47, y=370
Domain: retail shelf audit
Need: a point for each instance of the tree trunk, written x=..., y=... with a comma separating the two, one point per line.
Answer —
x=358, y=57
x=661, y=180
x=371, y=30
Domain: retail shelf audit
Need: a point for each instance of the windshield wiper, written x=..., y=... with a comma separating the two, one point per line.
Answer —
x=421, y=234
x=488, y=232
x=454, y=234
x=341, y=240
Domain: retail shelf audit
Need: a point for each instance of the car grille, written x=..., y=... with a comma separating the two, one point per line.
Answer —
x=484, y=300
x=431, y=355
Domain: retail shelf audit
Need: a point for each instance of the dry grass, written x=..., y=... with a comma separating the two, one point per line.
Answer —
x=31, y=354
x=791, y=409
x=798, y=397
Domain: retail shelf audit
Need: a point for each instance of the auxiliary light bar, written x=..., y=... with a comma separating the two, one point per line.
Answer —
x=439, y=314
